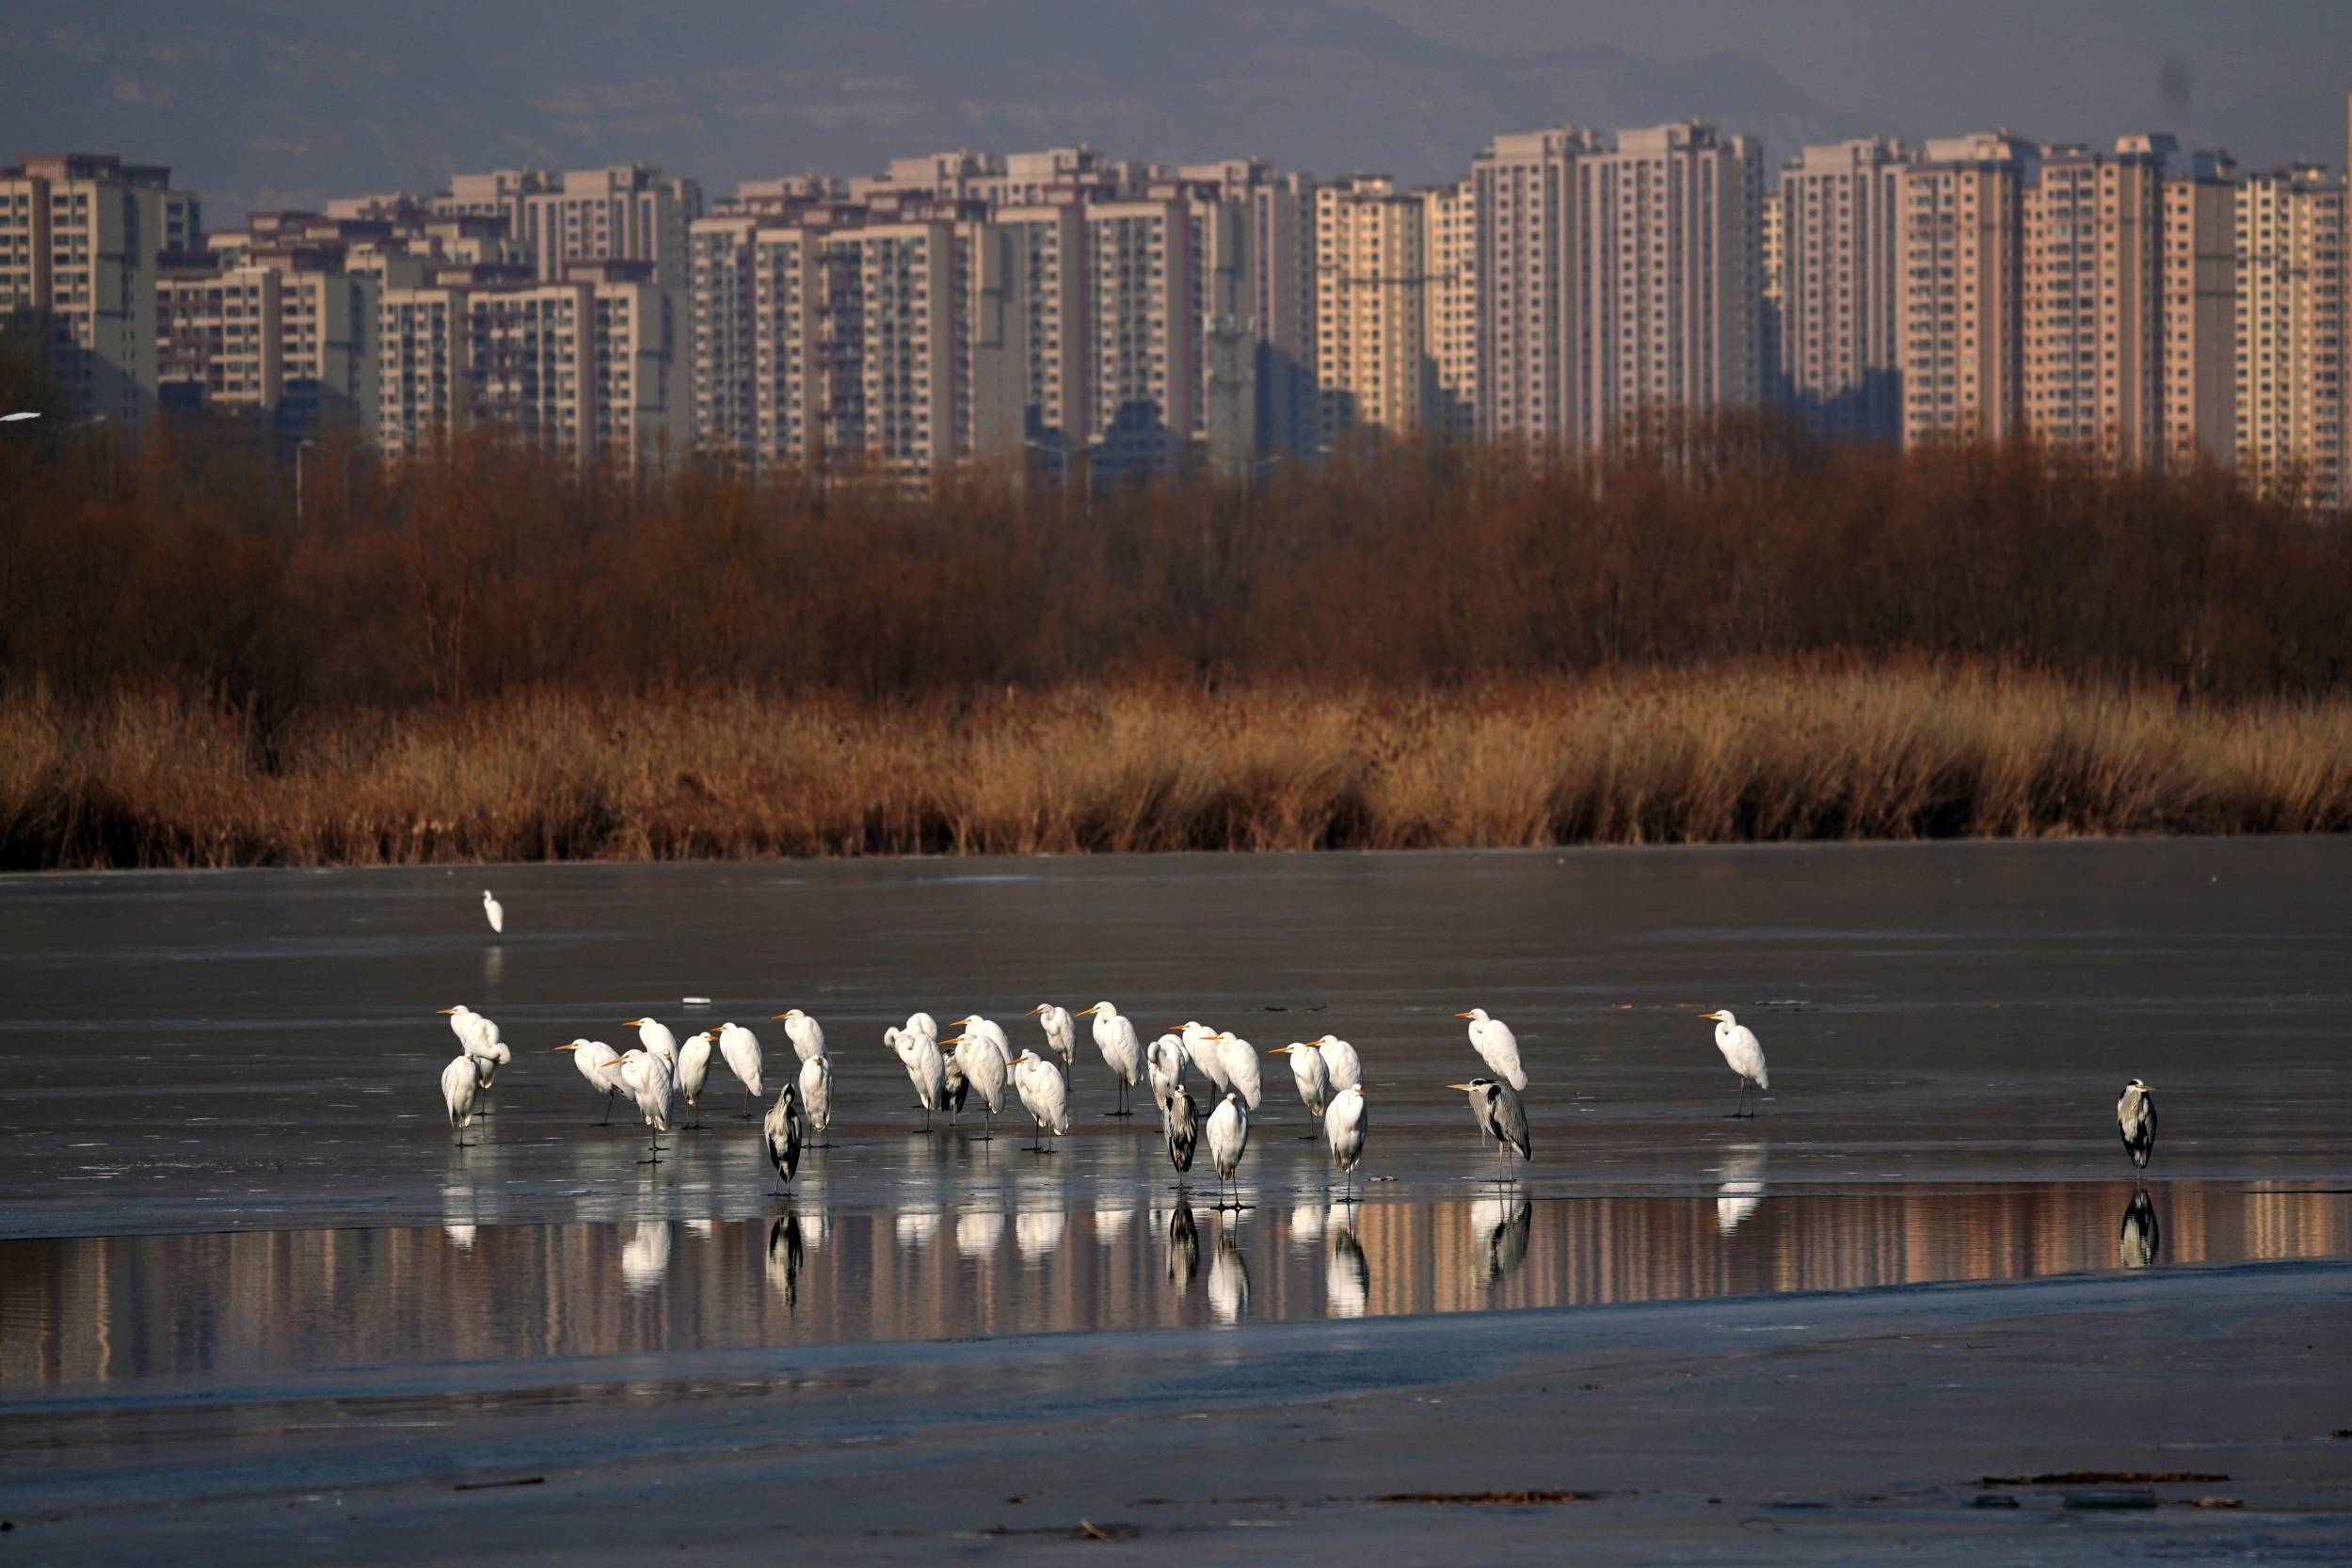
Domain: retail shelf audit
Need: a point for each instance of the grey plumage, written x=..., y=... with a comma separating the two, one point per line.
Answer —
x=2141, y=1237
x=781, y=1133
x=1500, y=1114
x=2135, y=1119
x=1183, y=1118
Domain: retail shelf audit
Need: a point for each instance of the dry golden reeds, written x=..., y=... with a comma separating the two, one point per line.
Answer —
x=1711, y=755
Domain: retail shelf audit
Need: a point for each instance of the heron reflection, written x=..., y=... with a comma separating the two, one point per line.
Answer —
x=1743, y=1186
x=787, y=1250
x=644, y=1257
x=1228, y=1279
x=1347, y=1278
x=2142, y=1236
x=1184, y=1247
x=1503, y=1223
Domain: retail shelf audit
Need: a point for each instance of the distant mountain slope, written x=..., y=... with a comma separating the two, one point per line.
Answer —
x=267, y=102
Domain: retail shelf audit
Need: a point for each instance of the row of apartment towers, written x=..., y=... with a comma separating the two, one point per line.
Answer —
x=2148, y=305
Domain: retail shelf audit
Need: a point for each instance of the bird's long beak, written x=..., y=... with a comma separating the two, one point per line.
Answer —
x=1462, y=1086
x=773, y=1016
x=1717, y=1017
x=1083, y=1011
x=567, y=1048
x=443, y=1012
x=1461, y=1014
x=958, y=1023
x=1282, y=1050
x=1035, y=1010
x=630, y=1023
x=952, y=1040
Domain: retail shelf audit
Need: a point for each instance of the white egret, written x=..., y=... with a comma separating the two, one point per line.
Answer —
x=460, y=1079
x=979, y=1232
x=1498, y=1111
x=816, y=1097
x=1737, y=1043
x=1340, y=1063
x=805, y=1032
x=1313, y=1079
x=477, y=1036
x=2135, y=1118
x=693, y=1066
x=1042, y=1094
x=1228, y=1138
x=1181, y=1119
x=597, y=1062
x=1343, y=1126
x=985, y=1069
x=976, y=1027
x=656, y=1039
x=647, y=1077
x=495, y=912
x=1239, y=1060
x=780, y=1131
x=740, y=1049
x=1164, y=1060
x=1122, y=1052
x=1496, y=1046
x=1061, y=1033
x=923, y=1023
x=926, y=1069
x=1201, y=1049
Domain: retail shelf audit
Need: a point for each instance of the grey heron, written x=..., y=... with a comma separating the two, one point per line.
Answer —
x=2135, y=1118
x=781, y=1131
x=1498, y=1111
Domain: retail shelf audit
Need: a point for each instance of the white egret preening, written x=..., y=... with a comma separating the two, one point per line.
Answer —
x=2135, y=1118
x=1343, y=1126
x=477, y=1036
x=1122, y=1052
x=598, y=1064
x=923, y=1023
x=926, y=1069
x=740, y=1049
x=693, y=1066
x=1313, y=1079
x=1498, y=1111
x=780, y=1131
x=460, y=1079
x=985, y=1069
x=648, y=1079
x=805, y=1032
x=1164, y=1060
x=1496, y=1046
x=1737, y=1043
x=816, y=1097
x=1206, y=1055
x=1228, y=1138
x=1042, y=1094
x=1340, y=1061
x=1181, y=1119
x=493, y=912
x=1239, y=1060
x=1061, y=1033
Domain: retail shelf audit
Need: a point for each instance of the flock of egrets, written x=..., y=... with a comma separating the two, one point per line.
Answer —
x=662, y=1074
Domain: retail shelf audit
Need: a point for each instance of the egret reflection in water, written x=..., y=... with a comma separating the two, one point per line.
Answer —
x=644, y=1257
x=1228, y=1278
x=1503, y=1223
x=1743, y=1186
x=2142, y=1236
x=1347, y=1278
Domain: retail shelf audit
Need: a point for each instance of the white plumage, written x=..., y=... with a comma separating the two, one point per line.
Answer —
x=459, y=1082
x=493, y=912
x=805, y=1032
x=926, y=1069
x=1742, y=1053
x=1239, y=1060
x=816, y=1092
x=1309, y=1072
x=1122, y=1052
x=1343, y=1128
x=989, y=1030
x=1496, y=1046
x=1165, y=1062
x=1206, y=1054
x=986, y=1069
x=1061, y=1033
x=656, y=1039
x=740, y=1049
x=597, y=1062
x=693, y=1066
x=1042, y=1094
x=477, y=1036
x=1340, y=1063
x=1228, y=1137
x=649, y=1081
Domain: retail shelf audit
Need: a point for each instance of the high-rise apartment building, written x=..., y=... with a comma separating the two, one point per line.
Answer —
x=1672, y=237
x=1146, y=337
x=1833, y=288
x=2093, y=287
x=1371, y=307
x=2199, y=328
x=503, y=194
x=1771, y=282
x=1449, y=342
x=1526, y=206
x=1048, y=242
x=1279, y=306
x=80, y=234
x=280, y=330
x=630, y=213
x=2290, y=326
x=1964, y=306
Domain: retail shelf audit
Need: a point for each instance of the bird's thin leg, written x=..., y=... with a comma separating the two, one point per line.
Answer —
x=607, y=1120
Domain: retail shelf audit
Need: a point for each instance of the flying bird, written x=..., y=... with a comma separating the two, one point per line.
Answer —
x=1737, y=1043
x=1498, y=1111
x=2135, y=1118
x=1496, y=1046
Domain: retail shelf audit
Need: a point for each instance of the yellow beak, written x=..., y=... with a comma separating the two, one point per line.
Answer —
x=1462, y=1086
x=1461, y=1014
x=443, y=1012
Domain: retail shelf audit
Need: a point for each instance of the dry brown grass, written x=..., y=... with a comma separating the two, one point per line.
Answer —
x=1748, y=752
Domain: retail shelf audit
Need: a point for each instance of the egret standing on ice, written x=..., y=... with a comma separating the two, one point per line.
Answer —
x=693, y=1066
x=495, y=912
x=1240, y=1059
x=926, y=1069
x=1115, y=1036
x=985, y=1070
x=1737, y=1043
x=1165, y=1062
x=1343, y=1124
x=740, y=1048
x=1228, y=1137
x=1043, y=1093
x=459, y=1080
x=816, y=1095
x=1313, y=1079
x=598, y=1064
x=656, y=1039
x=2135, y=1118
x=805, y=1032
x=1204, y=1052
x=648, y=1078
x=1340, y=1061
x=477, y=1036
x=1496, y=1046
x=1499, y=1112
x=780, y=1131
x=1061, y=1033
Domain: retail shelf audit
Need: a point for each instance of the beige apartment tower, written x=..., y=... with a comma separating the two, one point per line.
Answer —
x=1963, y=266
x=1528, y=262
x=1146, y=338
x=1450, y=310
x=1834, y=301
x=1370, y=295
x=2291, y=327
x=283, y=331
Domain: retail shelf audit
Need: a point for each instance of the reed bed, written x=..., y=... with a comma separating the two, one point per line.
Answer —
x=1729, y=753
